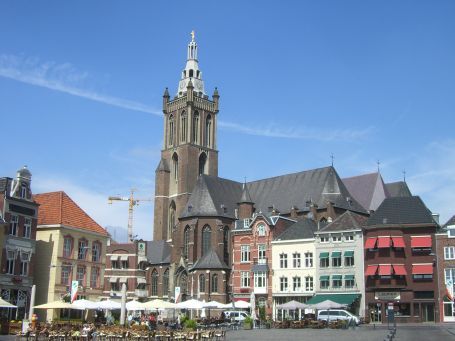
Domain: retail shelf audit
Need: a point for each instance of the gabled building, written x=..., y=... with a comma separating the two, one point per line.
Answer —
x=340, y=262
x=400, y=261
x=70, y=246
x=158, y=270
x=293, y=265
x=19, y=212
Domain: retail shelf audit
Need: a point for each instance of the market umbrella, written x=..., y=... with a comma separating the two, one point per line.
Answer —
x=109, y=305
x=292, y=305
x=327, y=304
x=84, y=304
x=5, y=304
x=190, y=304
x=57, y=305
x=215, y=305
x=134, y=305
x=158, y=304
x=237, y=304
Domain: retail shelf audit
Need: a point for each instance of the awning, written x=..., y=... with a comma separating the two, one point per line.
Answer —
x=347, y=299
x=337, y=277
x=399, y=270
x=385, y=269
x=421, y=242
x=141, y=280
x=384, y=242
x=336, y=254
x=371, y=270
x=349, y=253
x=141, y=259
x=370, y=243
x=398, y=242
x=123, y=257
x=114, y=257
x=422, y=269
x=123, y=279
x=348, y=277
x=113, y=279
x=324, y=278
x=324, y=255
x=260, y=268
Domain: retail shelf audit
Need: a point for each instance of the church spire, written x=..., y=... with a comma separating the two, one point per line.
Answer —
x=191, y=71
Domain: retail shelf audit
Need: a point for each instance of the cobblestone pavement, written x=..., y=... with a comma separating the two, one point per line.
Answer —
x=439, y=332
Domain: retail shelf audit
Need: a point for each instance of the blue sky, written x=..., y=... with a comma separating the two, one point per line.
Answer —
x=81, y=86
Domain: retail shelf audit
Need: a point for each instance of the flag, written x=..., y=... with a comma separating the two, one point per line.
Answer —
x=74, y=287
x=449, y=288
x=177, y=294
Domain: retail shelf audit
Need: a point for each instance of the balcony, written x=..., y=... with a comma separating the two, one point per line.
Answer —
x=141, y=293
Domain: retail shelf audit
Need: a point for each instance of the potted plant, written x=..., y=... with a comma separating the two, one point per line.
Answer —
x=190, y=324
x=248, y=323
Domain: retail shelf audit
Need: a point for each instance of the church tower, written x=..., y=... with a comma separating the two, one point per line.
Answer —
x=189, y=145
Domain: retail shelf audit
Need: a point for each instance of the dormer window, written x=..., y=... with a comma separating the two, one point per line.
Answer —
x=246, y=223
x=451, y=231
x=23, y=193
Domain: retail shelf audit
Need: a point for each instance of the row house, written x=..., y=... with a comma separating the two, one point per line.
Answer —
x=400, y=262
x=445, y=250
x=339, y=265
x=126, y=263
x=252, y=257
x=19, y=218
x=293, y=265
x=70, y=246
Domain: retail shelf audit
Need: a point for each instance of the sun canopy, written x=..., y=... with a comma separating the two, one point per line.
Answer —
x=134, y=306
x=158, y=304
x=327, y=304
x=421, y=242
x=109, y=305
x=213, y=305
x=4, y=304
x=398, y=241
x=422, y=269
x=370, y=243
x=84, y=304
x=57, y=305
x=238, y=305
x=384, y=242
x=292, y=305
x=346, y=299
x=190, y=304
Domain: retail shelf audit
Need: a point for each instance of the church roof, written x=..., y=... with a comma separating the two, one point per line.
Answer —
x=398, y=189
x=368, y=189
x=162, y=166
x=347, y=221
x=401, y=211
x=209, y=261
x=158, y=252
x=302, y=229
x=213, y=196
x=246, y=197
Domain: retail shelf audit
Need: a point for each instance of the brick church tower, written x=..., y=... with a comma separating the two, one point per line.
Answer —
x=189, y=146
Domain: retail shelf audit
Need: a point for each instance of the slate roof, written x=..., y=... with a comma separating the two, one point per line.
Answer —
x=162, y=166
x=57, y=208
x=209, y=261
x=246, y=197
x=302, y=229
x=398, y=189
x=401, y=211
x=158, y=252
x=368, y=189
x=213, y=196
x=451, y=221
x=347, y=221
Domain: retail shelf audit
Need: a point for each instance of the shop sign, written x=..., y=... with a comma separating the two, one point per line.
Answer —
x=387, y=295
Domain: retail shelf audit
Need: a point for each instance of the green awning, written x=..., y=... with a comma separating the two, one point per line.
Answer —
x=324, y=278
x=348, y=253
x=337, y=277
x=336, y=254
x=324, y=255
x=338, y=298
x=348, y=277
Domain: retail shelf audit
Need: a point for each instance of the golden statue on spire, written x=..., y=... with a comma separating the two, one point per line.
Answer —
x=192, y=35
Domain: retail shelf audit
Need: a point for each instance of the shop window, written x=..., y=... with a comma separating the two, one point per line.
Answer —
x=402, y=309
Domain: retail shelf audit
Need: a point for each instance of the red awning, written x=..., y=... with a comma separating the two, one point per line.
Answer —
x=399, y=269
x=398, y=241
x=421, y=242
x=370, y=243
x=384, y=242
x=385, y=270
x=422, y=269
x=371, y=270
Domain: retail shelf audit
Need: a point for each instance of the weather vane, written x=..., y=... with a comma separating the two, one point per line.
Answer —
x=192, y=35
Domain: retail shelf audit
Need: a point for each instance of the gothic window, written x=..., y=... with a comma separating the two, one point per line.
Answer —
x=175, y=167
x=208, y=131
x=195, y=127
x=202, y=162
x=154, y=284
x=183, y=282
x=186, y=241
x=201, y=283
x=206, y=236
x=171, y=220
x=183, y=126
x=214, y=284
x=166, y=283
x=226, y=244
x=171, y=130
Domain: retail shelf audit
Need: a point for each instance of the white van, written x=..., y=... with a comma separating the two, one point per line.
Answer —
x=235, y=314
x=337, y=314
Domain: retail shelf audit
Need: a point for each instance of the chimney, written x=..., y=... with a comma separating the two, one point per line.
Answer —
x=294, y=212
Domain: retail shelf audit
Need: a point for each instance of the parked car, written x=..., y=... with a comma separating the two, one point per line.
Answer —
x=337, y=314
x=237, y=315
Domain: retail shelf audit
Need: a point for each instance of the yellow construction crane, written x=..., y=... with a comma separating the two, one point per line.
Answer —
x=131, y=203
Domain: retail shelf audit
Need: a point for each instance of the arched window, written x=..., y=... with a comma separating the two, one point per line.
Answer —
x=208, y=131
x=171, y=221
x=206, y=238
x=226, y=244
x=191, y=72
x=183, y=281
x=183, y=127
x=214, y=284
x=175, y=167
x=166, y=283
x=195, y=127
x=202, y=163
x=171, y=130
x=201, y=283
x=154, y=284
x=186, y=241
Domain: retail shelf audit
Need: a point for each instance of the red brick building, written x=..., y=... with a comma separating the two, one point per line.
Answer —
x=400, y=261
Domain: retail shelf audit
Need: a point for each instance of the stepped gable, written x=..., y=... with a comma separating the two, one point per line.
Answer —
x=57, y=208
x=401, y=211
x=368, y=189
x=398, y=189
x=347, y=221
